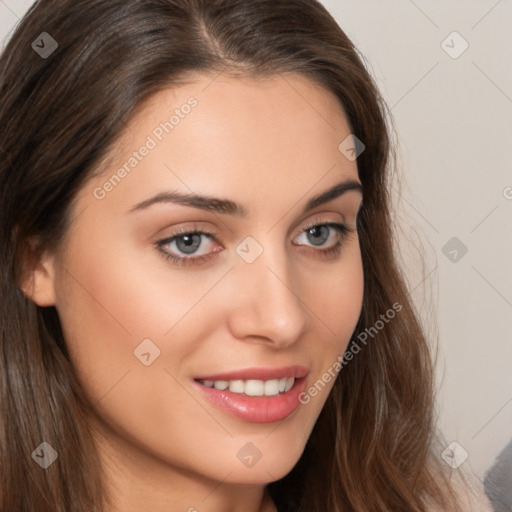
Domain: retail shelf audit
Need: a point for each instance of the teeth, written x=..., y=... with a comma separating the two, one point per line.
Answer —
x=255, y=388
x=221, y=385
x=236, y=386
x=252, y=387
x=271, y=387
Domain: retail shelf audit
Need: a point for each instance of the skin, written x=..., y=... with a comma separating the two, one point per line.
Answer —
x=271, y=145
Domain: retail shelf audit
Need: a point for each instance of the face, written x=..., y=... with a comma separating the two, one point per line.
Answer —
x=202, y=289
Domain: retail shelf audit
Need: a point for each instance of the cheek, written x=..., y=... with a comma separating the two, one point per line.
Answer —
x=111, y=300
x=120, y=292
x=335, y=296
x=107, y=307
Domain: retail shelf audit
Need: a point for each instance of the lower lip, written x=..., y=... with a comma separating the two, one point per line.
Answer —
x=256, y=409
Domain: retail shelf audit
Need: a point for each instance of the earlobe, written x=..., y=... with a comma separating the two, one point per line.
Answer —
x=39, y=282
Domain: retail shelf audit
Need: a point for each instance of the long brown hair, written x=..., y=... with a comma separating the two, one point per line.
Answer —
x=60, y=114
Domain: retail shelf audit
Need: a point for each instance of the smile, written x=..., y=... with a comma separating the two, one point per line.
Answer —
x=255, y=395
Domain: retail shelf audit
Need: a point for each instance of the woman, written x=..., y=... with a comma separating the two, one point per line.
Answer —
x=201, y=306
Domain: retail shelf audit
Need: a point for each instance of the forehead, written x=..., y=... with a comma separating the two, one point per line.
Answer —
x=287, y=108
x=225, y=135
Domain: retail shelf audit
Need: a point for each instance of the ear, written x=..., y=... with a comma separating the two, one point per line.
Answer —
x=39, y=278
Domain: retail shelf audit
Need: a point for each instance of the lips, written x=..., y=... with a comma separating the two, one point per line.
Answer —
x=258, y=395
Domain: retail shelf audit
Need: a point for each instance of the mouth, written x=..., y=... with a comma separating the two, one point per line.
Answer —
x=257, y=395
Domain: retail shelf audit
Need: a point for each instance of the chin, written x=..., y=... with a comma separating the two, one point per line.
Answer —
x=260, y=466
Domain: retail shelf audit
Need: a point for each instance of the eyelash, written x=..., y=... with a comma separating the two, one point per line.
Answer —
x=343, y=231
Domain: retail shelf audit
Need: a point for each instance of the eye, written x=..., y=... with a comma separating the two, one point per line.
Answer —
x=188, y=247
x=328, y=237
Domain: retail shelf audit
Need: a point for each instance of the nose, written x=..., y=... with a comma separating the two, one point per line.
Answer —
x=266, y=306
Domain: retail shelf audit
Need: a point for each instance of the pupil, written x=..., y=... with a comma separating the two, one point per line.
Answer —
x=188, y=243
x=318, y=231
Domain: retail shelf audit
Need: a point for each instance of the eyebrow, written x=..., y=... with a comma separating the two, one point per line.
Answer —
x=229, y=207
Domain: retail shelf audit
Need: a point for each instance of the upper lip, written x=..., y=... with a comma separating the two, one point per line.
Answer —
x=295, y=371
